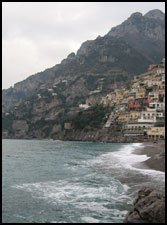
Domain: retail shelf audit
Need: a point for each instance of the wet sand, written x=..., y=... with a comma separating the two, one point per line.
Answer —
x=156, y=152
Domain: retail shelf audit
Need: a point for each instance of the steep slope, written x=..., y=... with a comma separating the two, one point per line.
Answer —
x=126, y=50
x=43, y=105
x=146, y=33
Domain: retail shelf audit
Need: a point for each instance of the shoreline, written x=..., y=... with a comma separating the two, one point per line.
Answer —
x=156, y=152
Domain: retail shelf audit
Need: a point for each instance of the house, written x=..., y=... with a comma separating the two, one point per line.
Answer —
x=135, y=79
x=84, y=106
x=118, y=95
x=152, y=66
x=159, y=106
x=54, y=94
x=163, y=78
x=134, y=133
x=129, y=116
x=138, y=104
x=141, y=93
x=123, y=117
x=125, y=93
x=154, y=95
x=156, y=132
x=50, y=89
x=138, y=125
x=162, y=84
x=109, y=99
x=150, y=116
x=161, y=71
x=136, y=129
x=154, y=82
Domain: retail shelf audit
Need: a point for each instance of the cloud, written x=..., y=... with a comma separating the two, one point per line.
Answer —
x=38, y=35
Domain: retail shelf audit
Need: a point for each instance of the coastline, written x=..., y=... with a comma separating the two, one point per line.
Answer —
x=156, y=152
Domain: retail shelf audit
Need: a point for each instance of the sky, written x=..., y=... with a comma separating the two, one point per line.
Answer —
x=39, y=35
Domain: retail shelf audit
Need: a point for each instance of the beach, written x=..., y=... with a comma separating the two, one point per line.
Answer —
x=156, y=152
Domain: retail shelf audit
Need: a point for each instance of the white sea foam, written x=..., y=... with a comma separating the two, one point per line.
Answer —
x=123, y=162
x=98, y=191
x=80, y=195
x=88, y=219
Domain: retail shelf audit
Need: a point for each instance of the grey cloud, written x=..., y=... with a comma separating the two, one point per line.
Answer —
x=52, y=30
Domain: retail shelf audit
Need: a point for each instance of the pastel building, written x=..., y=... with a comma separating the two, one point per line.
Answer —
x=156, y=132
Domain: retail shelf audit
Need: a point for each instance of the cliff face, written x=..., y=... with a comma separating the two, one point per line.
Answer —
x=13, y=96
x=149, y=207
x=126, y=50
x=146, y=33
x=47, y=100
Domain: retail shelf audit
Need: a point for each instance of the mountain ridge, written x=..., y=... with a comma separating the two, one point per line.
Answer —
x=128, y=54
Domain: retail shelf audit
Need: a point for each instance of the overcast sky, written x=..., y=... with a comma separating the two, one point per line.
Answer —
x=38, y=35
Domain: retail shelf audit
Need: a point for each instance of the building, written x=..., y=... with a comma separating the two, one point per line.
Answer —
x=150, y=116
x=161, y=70
x=138, y=126
x=152, y=66
x=134, y=133
x=118, y=95
x=151, y=83
x=140, y=94
x=109, y=99
x=156, y=132
x=84, y=106
x=159, y=106
x=129, y=116
x=138, y=104
x=154, y=95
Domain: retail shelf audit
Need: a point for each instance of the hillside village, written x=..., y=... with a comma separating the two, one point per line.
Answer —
x=141, y=108
x=135, y=112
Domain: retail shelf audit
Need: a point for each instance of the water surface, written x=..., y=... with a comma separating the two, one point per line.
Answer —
x=47, y=181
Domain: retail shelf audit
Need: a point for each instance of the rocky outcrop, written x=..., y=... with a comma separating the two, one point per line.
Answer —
x=137, y=24
x=14, y=96
x=149, y=207
x=155, y=14
x=20, y=127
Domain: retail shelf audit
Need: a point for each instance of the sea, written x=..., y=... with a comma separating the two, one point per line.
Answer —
x=52, y=181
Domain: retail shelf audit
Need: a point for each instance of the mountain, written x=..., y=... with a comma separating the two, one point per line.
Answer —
x=145, y=33
x=99, y=66
x=125, y=51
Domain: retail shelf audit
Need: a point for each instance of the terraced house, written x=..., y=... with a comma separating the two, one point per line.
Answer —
x=143, y=105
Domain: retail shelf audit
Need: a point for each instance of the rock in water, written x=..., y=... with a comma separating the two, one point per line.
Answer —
x=149, y=207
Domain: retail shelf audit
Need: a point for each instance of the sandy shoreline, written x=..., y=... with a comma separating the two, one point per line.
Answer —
x=156, y=152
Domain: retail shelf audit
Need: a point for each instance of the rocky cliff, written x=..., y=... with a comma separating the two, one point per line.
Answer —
x=46, y=101
x=126, y=50
x=149, y=207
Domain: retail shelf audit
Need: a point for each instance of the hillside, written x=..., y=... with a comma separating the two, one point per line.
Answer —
x=46, y=104
x=125, y=51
